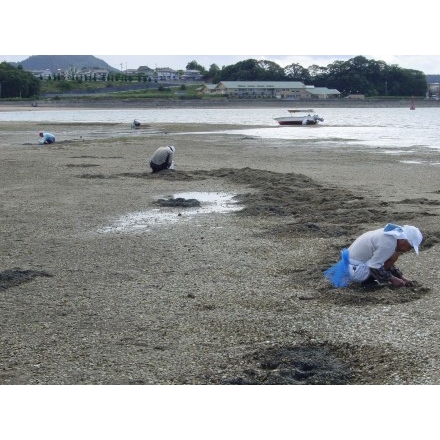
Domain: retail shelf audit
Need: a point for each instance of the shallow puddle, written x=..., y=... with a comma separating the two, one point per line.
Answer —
x=209, y=202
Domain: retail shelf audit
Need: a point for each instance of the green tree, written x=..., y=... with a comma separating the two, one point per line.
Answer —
x=65, y=86
x=406, y=82
x=212, y=72
x=268, y=69
x=371, y=78
x=17, y=83
x=315, y=71
x=251, y=70
x=194, y=65
x=295, y=72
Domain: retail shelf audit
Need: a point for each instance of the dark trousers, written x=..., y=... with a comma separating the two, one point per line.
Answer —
x=160, y=167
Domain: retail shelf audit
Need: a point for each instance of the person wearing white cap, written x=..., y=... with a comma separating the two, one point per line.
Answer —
x=163, y=159
x=372, y=257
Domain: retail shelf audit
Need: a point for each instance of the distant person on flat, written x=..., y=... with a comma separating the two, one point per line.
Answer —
x=162, y=159
x=46, y=138
x=135, y=124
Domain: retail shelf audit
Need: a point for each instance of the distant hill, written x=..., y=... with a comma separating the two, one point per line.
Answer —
x=64, y=62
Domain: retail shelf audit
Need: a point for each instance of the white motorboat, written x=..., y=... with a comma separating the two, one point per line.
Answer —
x=301, y=117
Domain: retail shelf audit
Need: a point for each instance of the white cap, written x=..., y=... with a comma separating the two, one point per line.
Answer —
x=171, y=148
x=414, y=236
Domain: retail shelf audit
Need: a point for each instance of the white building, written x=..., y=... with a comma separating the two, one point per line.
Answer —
x=285, y=90
x=167, y=74
x=192, y=75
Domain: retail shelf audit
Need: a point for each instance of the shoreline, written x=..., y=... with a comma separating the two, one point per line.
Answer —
x=221, y=103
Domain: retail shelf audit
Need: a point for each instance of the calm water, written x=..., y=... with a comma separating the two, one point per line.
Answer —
x=392, y=128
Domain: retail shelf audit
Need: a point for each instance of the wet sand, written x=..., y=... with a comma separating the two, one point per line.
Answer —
x=218, y=298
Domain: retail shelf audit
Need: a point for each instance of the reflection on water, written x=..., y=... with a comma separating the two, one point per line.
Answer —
x=210, y=202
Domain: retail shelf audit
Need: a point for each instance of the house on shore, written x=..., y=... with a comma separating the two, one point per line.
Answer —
x=207, y=89
x=43, y=74
x=145, y=71
x=284, y=90
x=167, y=74
x=191, y=75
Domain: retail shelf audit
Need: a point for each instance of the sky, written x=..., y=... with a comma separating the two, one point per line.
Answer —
x=173, y=36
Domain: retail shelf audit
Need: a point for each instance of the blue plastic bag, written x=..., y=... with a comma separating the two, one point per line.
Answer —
x=338, y=274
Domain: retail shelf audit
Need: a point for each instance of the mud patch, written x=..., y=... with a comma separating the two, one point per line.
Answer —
x=15, y=277
x=289, y=195
x=165, y=175
x=306, y=229
x=296, y=196
x=326, y=363
x=178, y=202
x=301, y=365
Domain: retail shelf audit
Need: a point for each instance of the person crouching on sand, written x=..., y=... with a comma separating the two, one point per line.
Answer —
x=162, y=159
x=372, y=257
x=46, y=138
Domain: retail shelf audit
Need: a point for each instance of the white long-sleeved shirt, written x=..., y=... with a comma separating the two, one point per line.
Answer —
x=373, y=248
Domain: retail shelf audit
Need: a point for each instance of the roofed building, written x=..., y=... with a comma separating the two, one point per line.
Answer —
x=286, y=90
x=207, y=88
x=146, y=71
x=192, y=75
x=167, y=74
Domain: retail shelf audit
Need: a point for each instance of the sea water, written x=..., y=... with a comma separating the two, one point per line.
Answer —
x=389, y=128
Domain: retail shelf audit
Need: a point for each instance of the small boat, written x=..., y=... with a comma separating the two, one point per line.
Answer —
x=303, y=117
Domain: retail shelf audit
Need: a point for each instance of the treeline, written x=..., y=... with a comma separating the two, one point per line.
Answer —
x=357, y=75
x=17, y=83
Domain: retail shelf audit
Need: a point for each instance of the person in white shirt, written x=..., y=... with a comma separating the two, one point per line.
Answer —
x=372, y=257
